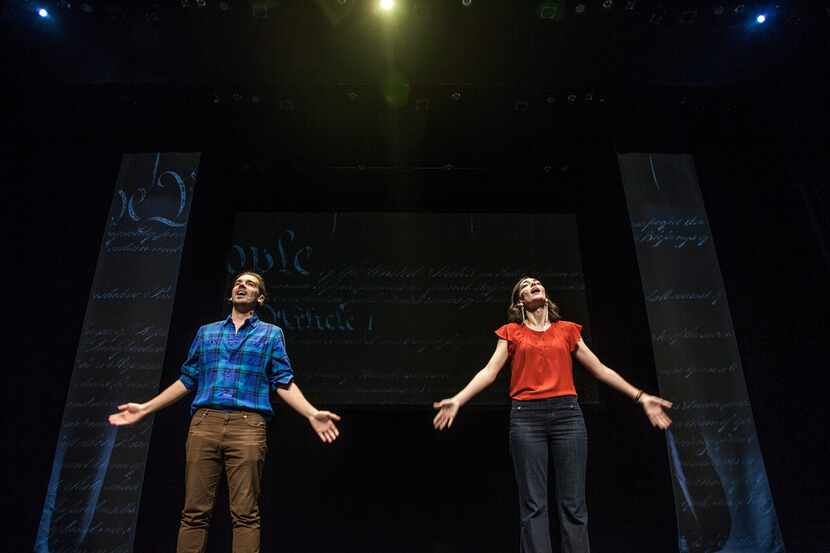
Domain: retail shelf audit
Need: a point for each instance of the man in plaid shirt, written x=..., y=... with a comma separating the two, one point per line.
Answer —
x=234, y=365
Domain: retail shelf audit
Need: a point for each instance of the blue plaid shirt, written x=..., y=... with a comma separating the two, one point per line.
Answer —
x=237, y=370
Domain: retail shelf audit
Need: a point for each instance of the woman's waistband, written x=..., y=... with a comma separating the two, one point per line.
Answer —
x=545, y=403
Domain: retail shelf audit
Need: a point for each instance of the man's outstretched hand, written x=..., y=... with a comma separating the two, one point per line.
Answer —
x=323, y=424
x=129, y=413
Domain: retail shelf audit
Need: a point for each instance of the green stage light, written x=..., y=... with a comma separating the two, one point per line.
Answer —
x=550, y=10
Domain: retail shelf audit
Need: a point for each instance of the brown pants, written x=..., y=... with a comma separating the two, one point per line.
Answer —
x=235, y=441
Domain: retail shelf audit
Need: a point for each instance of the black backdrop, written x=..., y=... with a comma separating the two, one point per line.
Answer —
x=391, y=484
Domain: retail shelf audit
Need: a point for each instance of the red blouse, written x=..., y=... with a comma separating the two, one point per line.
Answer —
x=540, y=361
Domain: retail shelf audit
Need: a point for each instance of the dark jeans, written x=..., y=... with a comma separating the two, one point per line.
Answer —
x=223, y=441
x=550, y=433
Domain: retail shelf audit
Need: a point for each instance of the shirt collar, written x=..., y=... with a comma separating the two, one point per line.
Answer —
x=252, y=321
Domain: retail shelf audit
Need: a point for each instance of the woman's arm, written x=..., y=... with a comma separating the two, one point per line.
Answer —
x=448, y=408
x=652, y=405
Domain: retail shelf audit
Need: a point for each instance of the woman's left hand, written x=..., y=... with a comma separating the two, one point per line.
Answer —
x=653, y=406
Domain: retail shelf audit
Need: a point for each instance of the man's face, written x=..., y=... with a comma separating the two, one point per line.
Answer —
x=246, y=290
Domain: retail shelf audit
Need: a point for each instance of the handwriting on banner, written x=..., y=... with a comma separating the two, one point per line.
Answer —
x=671, y=295
x=671, y=337
x=733, y=422
x=131, y=339
x=710, y=427
x=323, y=299
x=335, y=318
x=286, y=257
x=689, y=372
x=131, y=203
x=424, y=285
x=338, y=289
x=111, y=360
x=144, y=239
x=673, y=232
x=128, y=294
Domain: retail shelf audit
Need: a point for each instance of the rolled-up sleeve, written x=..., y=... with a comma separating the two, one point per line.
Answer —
x=280, y=372
x=190, y=368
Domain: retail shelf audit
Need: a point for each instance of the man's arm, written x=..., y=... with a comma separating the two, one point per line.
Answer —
x=131, y=413
x=321, y=421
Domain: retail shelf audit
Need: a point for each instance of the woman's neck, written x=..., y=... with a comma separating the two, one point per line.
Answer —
x=538, y=318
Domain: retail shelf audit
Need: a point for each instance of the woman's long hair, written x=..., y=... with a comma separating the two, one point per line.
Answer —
x=516, y=312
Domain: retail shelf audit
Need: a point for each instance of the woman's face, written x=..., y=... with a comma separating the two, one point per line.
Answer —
x=531, y=293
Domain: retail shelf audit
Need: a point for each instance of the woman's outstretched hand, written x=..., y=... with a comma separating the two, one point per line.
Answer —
x=653, y=406
x=447, y=409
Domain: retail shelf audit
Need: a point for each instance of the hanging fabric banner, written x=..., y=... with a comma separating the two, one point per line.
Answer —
x=722, y=495
x=92, y=500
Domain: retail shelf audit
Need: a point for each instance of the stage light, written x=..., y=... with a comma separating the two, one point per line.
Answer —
x=386, y=5
x=43, y=13
x=656, y=17
x=260, y=9
x=580, y=9
x=466, y=3
x=607, y=4
x=688, y=16
x=550, y=9
x=761, y=18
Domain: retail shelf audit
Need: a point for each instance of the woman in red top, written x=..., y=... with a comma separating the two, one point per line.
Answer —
x=546, y=423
